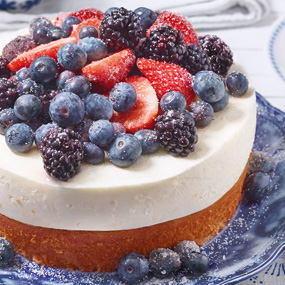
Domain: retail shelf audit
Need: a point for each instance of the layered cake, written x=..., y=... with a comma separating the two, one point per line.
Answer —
x=105, y=211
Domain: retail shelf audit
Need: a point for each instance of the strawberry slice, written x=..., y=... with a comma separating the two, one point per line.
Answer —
x=60, y=19
x=93, y=22
x=143, y=115
x=165, y=76
x=105, y=73
x=178, y=22
x=88, y=13
x=51, y=49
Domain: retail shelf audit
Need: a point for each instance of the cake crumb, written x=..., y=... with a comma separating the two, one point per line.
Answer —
x=33, y=211
x=18, y=201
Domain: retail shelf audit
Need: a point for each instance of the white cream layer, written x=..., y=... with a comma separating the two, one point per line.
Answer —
x=156, y=189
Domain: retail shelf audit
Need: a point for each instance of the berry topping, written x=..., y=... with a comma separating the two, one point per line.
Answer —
x=88, y=31
x=105, y=73
x=165, y=77
x=83, y=129
x=94, y=48
x=41, y=132
x=63, y=77
x=78, y=85
x=8, y=93
x=143, y=114
x=185, y=248
x=88, y=13
x=202, y=113
x=93, y=22
x=57, y=33
x=4, y=69
x=118, y=129
x=133, y=268
x=92, y=153
x=6, y=252
x=173, y=100
x=221, y=104
x=179, y=23
x=62, y=153
x=261, y=162
x=22, y=74
x=148, y=140
x=147, y=17
x=111, y=9
x=121, y=29
x=196, y=263
x=39, y=22
x=125, y=150
x=163, y=44
x=7, y=119
x=237, y=84
x=60, y=18
x=220, y=55
x=176, y=133
x=42, y=35
x=68, y=23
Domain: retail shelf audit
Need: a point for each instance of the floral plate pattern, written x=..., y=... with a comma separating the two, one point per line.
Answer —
x=18, y=5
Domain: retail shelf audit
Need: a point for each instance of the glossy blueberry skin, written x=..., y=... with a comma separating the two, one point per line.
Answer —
x=149, y=141
x=221, y=104
x=196, y=262
x=71, y=57
x=173, y=100
x=92, y=153
x=19, y=138
x=111, y=9
x=39, y=22
x=42, y=131
x=147, y=17
x=7, y=119
x=44, y=70
x=98, y=107
x=94, y=48
x=57, y=33
x=79, y=85
x=22, y=74
x=262, y=162
x=125, y=150
x=29, y=86
x=123, y=97
x=101, y=133
x=67, y=109
x=27, y=107
x=190, y=116
x=6, y=252
x=208, y=86
x=133, y=268
x=88, y=31
x=237, y=84
x=68, y=23
x=42, y=35
x=163, y=262
x=202, y=113
x=63, y=77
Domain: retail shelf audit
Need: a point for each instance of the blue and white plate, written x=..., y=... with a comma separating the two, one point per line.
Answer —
x=18, y=5
x=250, y=243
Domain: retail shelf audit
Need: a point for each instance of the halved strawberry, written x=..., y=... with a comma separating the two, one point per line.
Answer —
x=88, y=13
x=143, y=115
x=105, y=73
x=165, y=76
x=60, y=18
x=90, y=22
x=178, y=22
x=51, y=49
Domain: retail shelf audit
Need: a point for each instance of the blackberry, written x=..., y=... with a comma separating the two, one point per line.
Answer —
x=62, y=153
x=163, y=44
x=221, y=56
x=120, y=29
x=195, y=59
x=44, y=117
x=17, y=46
x=176, y=133
x=4, y=69
x=8, y=93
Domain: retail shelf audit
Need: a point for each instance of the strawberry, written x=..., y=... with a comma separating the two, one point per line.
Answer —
x=51, y=49
x=60, y=18
x=90, y=22
x=88, y=13
x=143, y=114
x=105, y=73
x=165, y=76
x=178, y=22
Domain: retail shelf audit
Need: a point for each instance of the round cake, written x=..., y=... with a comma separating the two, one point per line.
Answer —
x=105, y=211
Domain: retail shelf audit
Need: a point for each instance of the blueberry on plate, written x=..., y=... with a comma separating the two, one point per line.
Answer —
x=79, y=85
x=185, y=248
x=92, y=153
x=237, y=84
x=221, y=104
x=63, y=77
x=133, y=268
x=68, y=23
x=101, y=133
x=147, y=17
x=94, y=48
x=149, y=140
x=202, y=113
x=6, y=252
x=163, y=262
x=88, y=31
x=42, y=35
x=173, y=100
x=196, y=263
x=262, y=162
x=125, y=150
x=29, y=86
x=7, y=119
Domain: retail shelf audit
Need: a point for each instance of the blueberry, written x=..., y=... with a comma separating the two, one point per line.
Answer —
x=68, y=23
x=7, y=119
x=79, y=85
x=27, y=107
x=125, y=150
x=42, y=131
x=92, y=153
x=110, y=10
x=209, y=86
x=42, y=35
x=98, y=107
x=19, y=137
x=133, y=268
x=29, y=86
x=57, y=33
x=261, y=162
x=44, y=69
x=118, y=128
x=88, y=31
x=83, y=129
x=6, y=252
x=149, y=141
x=39, y=22
x=185, y=247
x=101, y=133
x=221, y=104
x=66, y=109
x=22, y=74
x=189, y=115
x=257, y=186
x=237, y=84
x=94, y=48
x=173, y=100
x=202, y=113
x=196, y=262
x=71, y=57
x=123, y=97
x=147, y=17
x=63, y=77
x=163, y=262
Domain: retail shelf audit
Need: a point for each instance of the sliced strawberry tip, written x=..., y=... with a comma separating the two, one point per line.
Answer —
x=88, y=13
